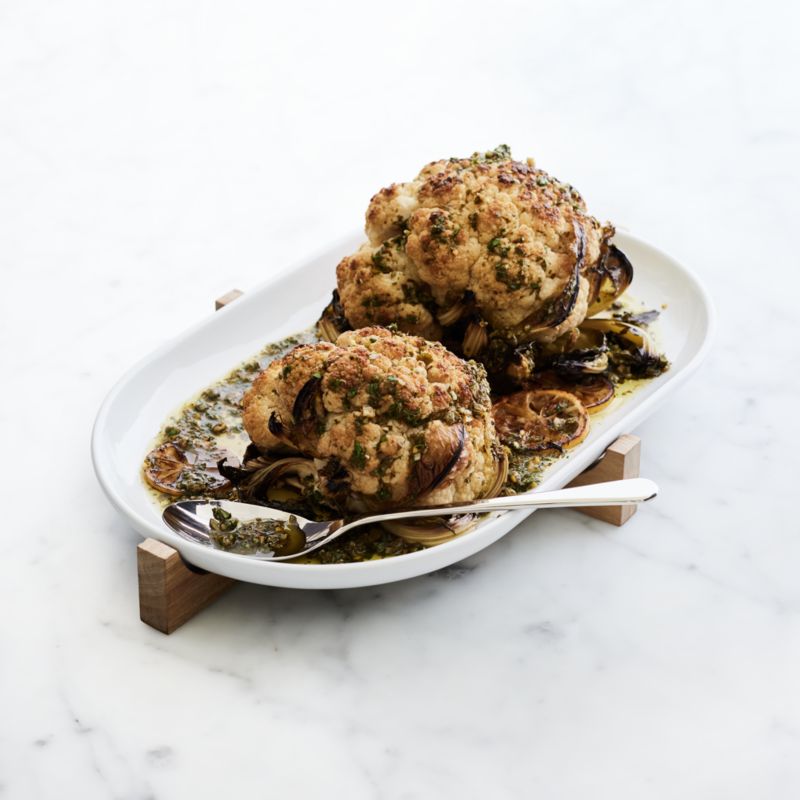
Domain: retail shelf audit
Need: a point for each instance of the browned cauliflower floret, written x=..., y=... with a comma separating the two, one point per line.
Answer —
x=391, y=419
x=485, y=238
x=378, y=282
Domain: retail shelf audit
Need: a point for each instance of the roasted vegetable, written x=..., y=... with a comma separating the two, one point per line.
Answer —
x=176, y=471
x=595, y=392
x=441, y=453
x=291, y=484
x=539, y=420
x=485, y=237
x=476, y=338
x=580, y=351
x=431, y=531
x=333, y=321
x=451, y=314
x=552, y=315
x=640, y=318
x=632, y=353
x=388, y=419
x=611, y=277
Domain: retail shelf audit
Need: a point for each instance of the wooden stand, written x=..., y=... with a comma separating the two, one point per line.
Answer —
x=171, y=591
x=620, y=460
x=227, y=298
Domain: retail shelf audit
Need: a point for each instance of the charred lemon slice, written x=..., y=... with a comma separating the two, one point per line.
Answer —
x=594, y=391
x=175, y=471
x=541, y=419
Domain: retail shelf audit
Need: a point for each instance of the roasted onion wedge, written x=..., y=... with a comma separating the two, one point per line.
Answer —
x=333, y=321
x=538, y=420
x=307, y=410
x=610, y=279
x=594, y=391
x=476, y=338
x=263, y=480
x=436, y=530
x=552, y=314
x=177, y=472
x=632, y=353
x=637, y=337
x=451, y=314
x=581, y=351
x=443, y=450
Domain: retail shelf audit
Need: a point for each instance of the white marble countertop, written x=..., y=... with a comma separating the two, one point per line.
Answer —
x=154, y=155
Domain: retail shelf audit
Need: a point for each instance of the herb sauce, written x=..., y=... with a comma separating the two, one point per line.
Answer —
x=213, y=420
x=256, y=535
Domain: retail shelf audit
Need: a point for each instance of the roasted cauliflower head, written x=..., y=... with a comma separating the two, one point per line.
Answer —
x=389, y=420
x=484, y=240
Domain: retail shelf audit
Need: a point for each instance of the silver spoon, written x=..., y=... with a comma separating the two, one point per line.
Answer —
x=191, y=519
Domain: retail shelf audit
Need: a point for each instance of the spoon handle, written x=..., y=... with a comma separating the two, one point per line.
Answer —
x=612, y=493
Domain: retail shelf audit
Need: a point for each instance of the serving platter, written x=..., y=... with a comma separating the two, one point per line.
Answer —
x=289, y=302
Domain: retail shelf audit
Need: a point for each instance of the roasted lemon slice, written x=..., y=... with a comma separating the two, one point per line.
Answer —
x=175, y=471
x=594, y=391
x=541, y=419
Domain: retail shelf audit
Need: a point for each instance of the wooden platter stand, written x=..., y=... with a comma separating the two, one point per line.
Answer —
x=171, y=591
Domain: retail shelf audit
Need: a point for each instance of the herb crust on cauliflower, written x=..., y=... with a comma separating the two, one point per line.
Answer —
x=389, y=419
x=476, y=247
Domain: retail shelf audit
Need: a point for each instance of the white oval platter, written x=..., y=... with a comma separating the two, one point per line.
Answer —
x=137, y=406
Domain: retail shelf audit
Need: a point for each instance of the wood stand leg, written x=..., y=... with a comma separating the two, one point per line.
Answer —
x=228, y=297
x=171, y=591
x=621, y=460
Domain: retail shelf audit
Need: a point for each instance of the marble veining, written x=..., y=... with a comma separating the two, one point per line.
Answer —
x=155, y=155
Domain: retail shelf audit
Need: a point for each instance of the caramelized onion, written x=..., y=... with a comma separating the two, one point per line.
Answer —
x=452, y=314
x=333, y=321
x=475, y=339
x=554, y=312
x=436, y=530
x=633, y=334
x=304, y=411
x=258, y=478
x=280, y=432
x=500, y=474
x=432, y=531
x=632, y=351
x=583, y=351
x=609, y=280
x=444, y=447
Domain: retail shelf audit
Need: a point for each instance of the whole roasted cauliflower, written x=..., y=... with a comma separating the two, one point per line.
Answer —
x=474, y=249
x=388, y=420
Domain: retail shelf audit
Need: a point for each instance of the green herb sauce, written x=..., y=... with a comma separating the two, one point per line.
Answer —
x=212, y=420
x=281, y=538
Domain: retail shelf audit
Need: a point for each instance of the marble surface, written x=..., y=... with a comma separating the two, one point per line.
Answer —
x=155, y=154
